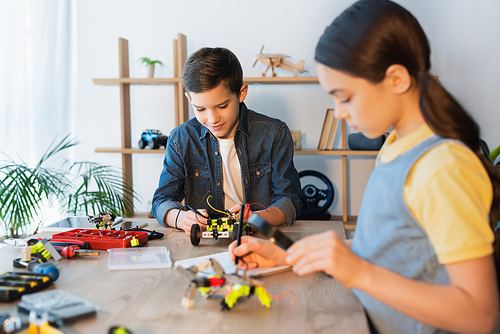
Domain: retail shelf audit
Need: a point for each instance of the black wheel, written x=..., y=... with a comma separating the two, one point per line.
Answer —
x=152, y=143
x=195, y=234
x=142, y=143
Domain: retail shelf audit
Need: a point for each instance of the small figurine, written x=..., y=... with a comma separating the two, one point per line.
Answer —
x=103, y=221
x=153, y=139
x=278, y=60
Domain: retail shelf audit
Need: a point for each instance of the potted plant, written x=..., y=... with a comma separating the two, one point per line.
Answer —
x=150, y=65
x=75, y=188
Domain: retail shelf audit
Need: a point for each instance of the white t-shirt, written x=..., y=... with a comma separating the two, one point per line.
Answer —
x=232, y=186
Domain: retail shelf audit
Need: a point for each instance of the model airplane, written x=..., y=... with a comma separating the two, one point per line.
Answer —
x=273, y=60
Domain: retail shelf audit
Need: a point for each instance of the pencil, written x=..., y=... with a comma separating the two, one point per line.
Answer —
x=238, y=240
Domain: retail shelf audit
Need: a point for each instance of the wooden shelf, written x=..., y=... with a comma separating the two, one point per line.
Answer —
x=137, y=81
x=282, y=80
x=301, y=152
x=309, y=151
x=127, y=150
x=174, y=81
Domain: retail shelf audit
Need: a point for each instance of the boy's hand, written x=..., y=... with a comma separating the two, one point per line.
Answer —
x=188, y=218
x=329, y=253
x=237, y=209
x=257, y=253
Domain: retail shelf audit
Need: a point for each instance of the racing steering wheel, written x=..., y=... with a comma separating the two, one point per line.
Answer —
x=311, y=196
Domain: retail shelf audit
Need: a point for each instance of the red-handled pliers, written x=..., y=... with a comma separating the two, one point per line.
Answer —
x=70, y=252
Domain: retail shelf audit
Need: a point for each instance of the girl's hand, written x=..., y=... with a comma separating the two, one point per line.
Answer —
x=329, y=253
x=188, y=218
x=257, y=253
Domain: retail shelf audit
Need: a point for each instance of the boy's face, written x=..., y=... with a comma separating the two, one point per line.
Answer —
x=218, y=109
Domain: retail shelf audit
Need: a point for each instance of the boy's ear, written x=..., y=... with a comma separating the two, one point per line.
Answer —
x=188, y=97
x=398, y=79
x=243, y=92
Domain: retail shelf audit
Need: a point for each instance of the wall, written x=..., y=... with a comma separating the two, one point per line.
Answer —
x=464, y=38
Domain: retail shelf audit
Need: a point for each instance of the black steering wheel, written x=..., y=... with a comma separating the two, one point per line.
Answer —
x=312, y=196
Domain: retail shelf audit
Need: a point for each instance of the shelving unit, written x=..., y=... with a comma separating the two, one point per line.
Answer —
x=124, y=81
x=182, y=115
x=344, y=152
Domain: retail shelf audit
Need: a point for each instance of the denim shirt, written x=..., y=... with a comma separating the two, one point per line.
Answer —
x=192, y=169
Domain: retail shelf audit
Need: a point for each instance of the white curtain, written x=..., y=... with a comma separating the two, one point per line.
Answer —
x=37, y=75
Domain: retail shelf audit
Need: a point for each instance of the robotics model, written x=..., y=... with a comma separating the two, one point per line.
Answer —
x=230, y=288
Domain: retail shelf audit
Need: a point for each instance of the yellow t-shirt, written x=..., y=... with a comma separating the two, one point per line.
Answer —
x=449, y=193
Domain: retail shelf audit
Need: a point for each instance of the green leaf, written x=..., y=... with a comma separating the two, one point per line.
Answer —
x=494, y=154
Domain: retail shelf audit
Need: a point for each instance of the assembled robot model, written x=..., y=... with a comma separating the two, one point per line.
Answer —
x=152, y=139
x=103, y=221
x=224, y=227
x=235, y=287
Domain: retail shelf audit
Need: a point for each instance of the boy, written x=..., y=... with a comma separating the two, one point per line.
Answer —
x=228, y=152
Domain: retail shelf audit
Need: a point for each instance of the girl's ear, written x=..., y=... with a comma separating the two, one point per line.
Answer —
x=398, y=79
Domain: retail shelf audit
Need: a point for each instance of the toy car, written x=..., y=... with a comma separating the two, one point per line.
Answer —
x=152, y=139
x=225, y=227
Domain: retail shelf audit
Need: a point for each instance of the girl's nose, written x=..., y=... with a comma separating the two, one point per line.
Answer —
x=341, y=112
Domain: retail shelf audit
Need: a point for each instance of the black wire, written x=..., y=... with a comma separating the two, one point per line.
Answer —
x=191, y=209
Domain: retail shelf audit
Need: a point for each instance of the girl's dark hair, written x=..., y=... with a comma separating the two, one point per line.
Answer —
x=372, y=35
x=208, y=67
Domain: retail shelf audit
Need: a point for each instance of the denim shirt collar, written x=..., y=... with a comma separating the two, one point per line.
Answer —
x=242, y=126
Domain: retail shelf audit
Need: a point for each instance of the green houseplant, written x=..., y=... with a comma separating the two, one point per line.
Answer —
x=490, y=155
x=150, y=64
x=76, y=188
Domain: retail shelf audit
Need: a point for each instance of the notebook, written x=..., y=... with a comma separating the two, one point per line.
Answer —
x=228, y=265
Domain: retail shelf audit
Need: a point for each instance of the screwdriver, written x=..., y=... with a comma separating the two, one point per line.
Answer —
x=70, y=252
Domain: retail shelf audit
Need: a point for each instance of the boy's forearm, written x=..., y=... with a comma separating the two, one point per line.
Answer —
x=273, y=216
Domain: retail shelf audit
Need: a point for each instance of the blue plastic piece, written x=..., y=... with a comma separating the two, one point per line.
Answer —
x=45, y=268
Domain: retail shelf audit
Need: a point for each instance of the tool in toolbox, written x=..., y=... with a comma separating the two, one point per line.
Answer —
x=70, y=252
x=103, y=239
x=14, y=284
x=40, y=326
x=44, y=247
x=38, y=267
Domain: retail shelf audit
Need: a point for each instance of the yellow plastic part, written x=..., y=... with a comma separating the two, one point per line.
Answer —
x=134, y=242
x=204, y=290
x=238, y=291
x=263, y=296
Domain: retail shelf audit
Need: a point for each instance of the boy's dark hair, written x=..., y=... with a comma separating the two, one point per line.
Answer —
x=372, y=35
x=209, y=67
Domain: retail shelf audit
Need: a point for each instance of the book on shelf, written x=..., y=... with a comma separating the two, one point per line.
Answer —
x=325, y=131
x=332, y=134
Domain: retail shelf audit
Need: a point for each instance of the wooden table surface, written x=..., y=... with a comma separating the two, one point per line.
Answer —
x=149, y=300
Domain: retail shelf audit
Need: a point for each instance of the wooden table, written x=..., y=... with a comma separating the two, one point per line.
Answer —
x=149, y=301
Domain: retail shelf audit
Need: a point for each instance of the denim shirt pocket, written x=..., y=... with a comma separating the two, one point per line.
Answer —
x=260, y=178
x=197, y=182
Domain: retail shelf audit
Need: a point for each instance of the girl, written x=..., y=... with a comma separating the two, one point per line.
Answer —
x=421, y=260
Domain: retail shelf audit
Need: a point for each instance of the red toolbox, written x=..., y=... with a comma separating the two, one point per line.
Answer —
x=103, y=239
